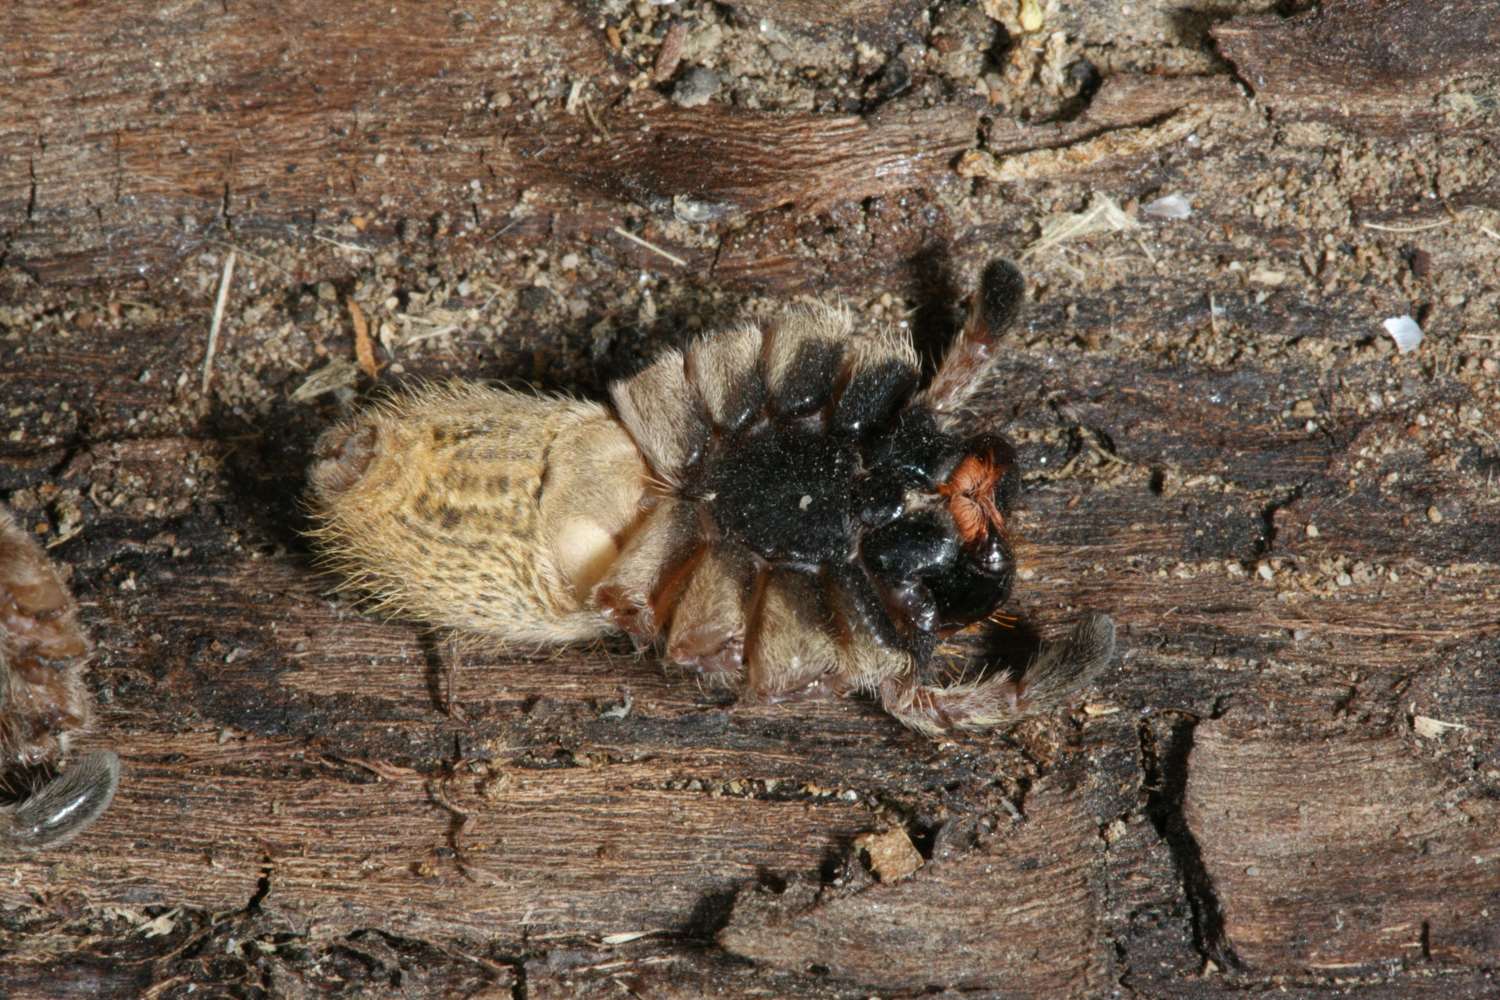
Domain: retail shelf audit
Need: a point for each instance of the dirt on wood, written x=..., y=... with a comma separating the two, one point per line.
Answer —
x=1286, y=782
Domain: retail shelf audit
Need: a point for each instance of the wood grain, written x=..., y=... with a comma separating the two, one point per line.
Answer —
x=882, y=17
x=292, y=120
x=725, y=162
x=1374, y=61
x=1001, y=931
x=1331, y=816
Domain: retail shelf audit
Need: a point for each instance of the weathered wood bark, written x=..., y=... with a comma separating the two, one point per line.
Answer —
x=1287, y=781
x=1383, y=63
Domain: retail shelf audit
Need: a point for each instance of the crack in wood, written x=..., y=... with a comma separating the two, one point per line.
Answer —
x=1164, y=763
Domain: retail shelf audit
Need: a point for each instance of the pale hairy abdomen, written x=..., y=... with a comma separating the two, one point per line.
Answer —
x=478, y=508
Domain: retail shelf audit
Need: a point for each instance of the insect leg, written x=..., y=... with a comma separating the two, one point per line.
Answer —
x=640, y=590
x=792, y=653
x=995, y=306
x=43, y=700
x=63, y=806
x=1061, y=669
x=710, y=623
x=1066, y=666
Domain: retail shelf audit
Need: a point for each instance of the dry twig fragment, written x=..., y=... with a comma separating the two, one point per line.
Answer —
x=632, y=237
x=669, y=56
x=1430, y=729
x=1104, y=215
x=337, y=374
x=364, y=348
x=218, y=320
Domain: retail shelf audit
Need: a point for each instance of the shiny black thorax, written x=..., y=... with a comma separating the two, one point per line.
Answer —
x=848, y=489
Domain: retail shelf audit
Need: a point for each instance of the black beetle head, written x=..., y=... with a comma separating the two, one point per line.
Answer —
x=934, y=510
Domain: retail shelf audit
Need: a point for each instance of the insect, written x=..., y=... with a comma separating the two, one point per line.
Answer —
x=786, y=508
x=43, y=702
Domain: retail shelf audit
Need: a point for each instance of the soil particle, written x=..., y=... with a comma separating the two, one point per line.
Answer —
x=696, y=87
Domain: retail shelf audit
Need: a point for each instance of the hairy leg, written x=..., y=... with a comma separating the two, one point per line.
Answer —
x=710, y=623
x=792, y=652
x=64, y=806
x=43, y=701
x=1061, y=669
x=996, y=305
x=804, y=354
x=640, y=590
x=725, y=370
x=661, y=411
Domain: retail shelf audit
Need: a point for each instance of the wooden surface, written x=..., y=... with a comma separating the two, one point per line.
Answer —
x=1285, y=784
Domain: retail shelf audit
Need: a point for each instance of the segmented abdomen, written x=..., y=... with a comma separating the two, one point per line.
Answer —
x=479, y=508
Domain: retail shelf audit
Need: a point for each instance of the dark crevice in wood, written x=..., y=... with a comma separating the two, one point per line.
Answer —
x=1115, y=104
x=519, y=990
x=262, y=887
x=1267, y=540
x=438, y=670
x=31, y=194
x=1164, y=763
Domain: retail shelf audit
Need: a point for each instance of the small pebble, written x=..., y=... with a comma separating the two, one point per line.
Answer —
x=1312, y=531
x=1434, y=515
x=697, y=87
x=1420, y=263
x=1031, y=16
